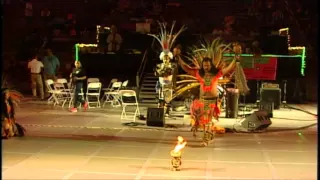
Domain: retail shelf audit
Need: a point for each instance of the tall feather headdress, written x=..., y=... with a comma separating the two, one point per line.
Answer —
x=166, y=39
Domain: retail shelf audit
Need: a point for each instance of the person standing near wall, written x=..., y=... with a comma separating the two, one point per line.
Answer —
x=51, y=65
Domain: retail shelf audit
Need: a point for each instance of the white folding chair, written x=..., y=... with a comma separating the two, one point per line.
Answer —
x=61, y=93
x=54, y=93
x=93, y=92
x=129, y=98
x=65, y=93
x=92, y=80
x=110, y=84
x=112, y=95
x=124, y=84
x=64, y=82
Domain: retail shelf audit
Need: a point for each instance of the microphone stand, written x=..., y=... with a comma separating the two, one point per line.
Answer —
x=258, y=94
x=284, y=102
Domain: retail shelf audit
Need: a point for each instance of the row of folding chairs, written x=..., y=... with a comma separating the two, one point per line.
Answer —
x=111, y=93
x=62, y=93
x=116, y=94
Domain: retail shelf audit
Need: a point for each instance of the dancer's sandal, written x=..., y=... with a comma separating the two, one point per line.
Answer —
x=205, y=144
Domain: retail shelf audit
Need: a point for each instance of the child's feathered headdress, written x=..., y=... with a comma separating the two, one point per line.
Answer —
x=15, y=95
x=166, y=39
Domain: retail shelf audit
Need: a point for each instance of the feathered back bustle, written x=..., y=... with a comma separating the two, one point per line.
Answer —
x=213, y=50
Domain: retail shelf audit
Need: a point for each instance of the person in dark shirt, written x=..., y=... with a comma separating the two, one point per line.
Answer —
x=78, y=77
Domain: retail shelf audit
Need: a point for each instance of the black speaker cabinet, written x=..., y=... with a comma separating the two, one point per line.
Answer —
x=267, y=106
x=155, y=117
x=271, y=95
x=259, y=120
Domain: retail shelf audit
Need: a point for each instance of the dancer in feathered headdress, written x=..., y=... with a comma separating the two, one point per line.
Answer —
x=10, y=100
x=208, y=68
x=165, y=70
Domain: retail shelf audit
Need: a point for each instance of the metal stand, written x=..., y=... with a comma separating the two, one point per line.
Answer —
x=224, y=104
x=244, y=106
x=258, y=93
x=284, y=102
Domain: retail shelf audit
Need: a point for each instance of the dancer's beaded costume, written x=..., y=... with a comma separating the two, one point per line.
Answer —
x=207, y=106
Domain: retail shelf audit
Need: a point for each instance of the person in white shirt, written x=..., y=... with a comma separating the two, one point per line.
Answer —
x=114, y=40
x=36, y=67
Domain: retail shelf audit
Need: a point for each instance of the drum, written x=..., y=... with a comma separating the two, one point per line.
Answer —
x=232, y=103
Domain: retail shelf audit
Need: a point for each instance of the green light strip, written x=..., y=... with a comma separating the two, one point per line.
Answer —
x=303, y=61
x=264, y=55
x=76, y=47
x=303, y=54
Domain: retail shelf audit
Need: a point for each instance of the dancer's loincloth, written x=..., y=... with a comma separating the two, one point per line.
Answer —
x=210, y=109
